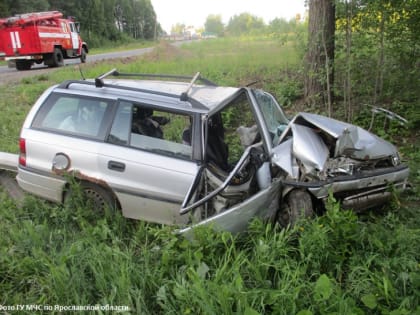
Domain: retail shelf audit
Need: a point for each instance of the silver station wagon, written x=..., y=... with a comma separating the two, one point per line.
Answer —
x=184, y=151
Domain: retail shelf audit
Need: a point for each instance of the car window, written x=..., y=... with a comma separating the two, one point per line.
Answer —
x=156, y=131
x=74, y=115
x=230, y=131
x=120, y=130
x=274, y=117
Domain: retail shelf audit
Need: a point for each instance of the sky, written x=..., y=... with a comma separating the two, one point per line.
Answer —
x=195, y=12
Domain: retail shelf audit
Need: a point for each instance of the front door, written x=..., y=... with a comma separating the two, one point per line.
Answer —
x=74, y=36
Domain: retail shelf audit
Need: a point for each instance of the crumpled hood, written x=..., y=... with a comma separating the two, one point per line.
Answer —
x=304, y=139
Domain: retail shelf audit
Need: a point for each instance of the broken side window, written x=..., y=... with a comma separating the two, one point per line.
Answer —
x=229, y=132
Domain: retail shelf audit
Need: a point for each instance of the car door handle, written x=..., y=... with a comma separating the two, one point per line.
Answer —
x=116, y=166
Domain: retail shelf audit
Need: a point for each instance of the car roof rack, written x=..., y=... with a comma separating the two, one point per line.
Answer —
x=183, y=97
x=196, y=77
x=114, y=72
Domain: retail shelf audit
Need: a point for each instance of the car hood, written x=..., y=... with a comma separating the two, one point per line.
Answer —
x=312, y=139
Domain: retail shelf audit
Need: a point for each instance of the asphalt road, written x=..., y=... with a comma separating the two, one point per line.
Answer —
x=9, y=74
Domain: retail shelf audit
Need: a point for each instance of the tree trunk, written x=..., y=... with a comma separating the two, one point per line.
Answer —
x=320, y=55
x=381, y=60
x=348, y=94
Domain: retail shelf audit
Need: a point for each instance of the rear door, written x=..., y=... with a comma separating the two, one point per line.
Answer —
x=68, y=125
x=147, y=162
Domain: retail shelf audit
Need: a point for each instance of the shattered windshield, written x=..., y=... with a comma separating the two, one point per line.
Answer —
x=274, y=117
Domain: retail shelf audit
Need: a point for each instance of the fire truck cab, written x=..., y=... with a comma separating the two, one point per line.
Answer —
x=39, y=37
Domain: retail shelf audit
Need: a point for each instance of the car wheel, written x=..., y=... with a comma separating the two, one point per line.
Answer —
x=98, y=197
x=296, y=205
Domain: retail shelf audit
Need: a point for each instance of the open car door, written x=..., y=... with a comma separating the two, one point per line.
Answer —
x=231, y=201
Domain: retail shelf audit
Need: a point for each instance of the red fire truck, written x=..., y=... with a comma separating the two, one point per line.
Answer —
x=39, y=37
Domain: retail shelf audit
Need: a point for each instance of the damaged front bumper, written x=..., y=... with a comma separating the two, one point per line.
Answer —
x=360, y=191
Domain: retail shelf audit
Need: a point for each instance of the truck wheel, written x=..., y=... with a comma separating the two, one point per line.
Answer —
x=296, y=205
x=83, y=56
x=23, y=65
x=58, y=60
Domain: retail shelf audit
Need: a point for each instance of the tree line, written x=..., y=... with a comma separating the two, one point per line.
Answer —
x=102, y=21
x=244, y=24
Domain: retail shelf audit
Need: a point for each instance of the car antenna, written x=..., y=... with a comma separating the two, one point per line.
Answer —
x=81, y=73
x=184, y=95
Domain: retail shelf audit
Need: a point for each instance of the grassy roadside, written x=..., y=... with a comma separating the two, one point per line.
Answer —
x=336, y=264
x=103, y=50
x=129, y=46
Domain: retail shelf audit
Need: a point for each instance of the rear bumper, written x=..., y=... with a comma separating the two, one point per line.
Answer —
x=48, y=187
x=9, y=161
x=24, y=57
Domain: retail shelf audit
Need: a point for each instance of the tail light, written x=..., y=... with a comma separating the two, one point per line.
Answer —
x=22, y=154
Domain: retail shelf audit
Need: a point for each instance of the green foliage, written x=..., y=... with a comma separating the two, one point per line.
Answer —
x=377, y=53
x=244, y=23
x=214, y=25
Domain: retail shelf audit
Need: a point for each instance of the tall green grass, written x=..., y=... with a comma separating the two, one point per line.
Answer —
x=336, y=264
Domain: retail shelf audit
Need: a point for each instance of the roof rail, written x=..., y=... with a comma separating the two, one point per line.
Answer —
x=114, y=72
x=165, y=76
x=99, y=83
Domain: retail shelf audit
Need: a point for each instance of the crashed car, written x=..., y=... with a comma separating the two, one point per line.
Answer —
x=184, y=151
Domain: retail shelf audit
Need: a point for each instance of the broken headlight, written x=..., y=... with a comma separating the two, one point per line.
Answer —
x=395, y=159
x=341, y=166
x=346, y=169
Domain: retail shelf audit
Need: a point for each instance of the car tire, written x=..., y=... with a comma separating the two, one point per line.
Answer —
x=296, y=205
x=100, y=198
